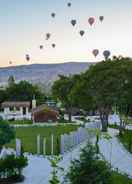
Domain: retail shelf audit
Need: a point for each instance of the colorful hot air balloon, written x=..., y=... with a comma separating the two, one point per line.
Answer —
x=27, y=57
x=48, y=36
x=73, y=22
x=82, y=32
x=69, y=4
x=106, y=54
x=91, y=20
x=95, y=52
x=53, y=45
x=41, y=47
x=101, y=18
x=53, y=15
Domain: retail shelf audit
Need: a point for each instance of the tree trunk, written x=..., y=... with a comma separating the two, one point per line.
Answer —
x=0, y=149
x=104, y=121
x=69, y=116
x=69, y=110
x=121, y=127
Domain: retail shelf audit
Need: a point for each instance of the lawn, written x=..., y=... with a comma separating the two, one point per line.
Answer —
x=28, y=136
x=126, y=139
x=120, y=179
x=114, y=126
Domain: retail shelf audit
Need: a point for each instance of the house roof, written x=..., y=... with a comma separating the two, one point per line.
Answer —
x=15, y=104
x=42, y=107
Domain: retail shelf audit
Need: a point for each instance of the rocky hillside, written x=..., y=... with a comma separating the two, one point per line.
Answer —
x=42, y=73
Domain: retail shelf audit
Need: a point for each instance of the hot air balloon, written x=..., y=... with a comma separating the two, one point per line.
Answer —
x=91, y=20
x=73, y=22
x=95, y=52
x=48, y=36
x=69, y=4
x=53, y=45
x=82, y=32
x=101, y=18
x=10, y=62
x=41, y=47
x=53, y=15
x=27, y=57
x=106, y=54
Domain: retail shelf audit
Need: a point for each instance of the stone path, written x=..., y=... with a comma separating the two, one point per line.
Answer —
x=39, y=169
x=115, y=153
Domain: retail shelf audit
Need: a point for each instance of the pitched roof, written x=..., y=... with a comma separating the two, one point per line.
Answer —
x=42, y=107
x=15, y=104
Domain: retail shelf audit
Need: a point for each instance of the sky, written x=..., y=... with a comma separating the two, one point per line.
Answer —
x=25, y=23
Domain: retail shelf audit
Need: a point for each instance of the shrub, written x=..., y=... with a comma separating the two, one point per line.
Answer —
x=7, y=133
x=12, y=166
x=89, y=169
x=55, y=169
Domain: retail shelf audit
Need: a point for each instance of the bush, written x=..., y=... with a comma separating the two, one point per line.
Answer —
x=12, y=166
x=89, y=169
x=7, y=133
x=126, y=139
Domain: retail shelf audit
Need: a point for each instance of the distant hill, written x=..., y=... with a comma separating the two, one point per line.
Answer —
x=42, y=73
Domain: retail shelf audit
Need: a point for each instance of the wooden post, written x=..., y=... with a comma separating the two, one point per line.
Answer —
x=44, y=146
x=38, y=144
x=18, y=147
x=52, y=144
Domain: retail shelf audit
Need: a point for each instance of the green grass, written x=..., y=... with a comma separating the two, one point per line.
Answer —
x=28, y=135
x=120, y=179
x=129, y=121
x=126, y=139
x=114, y=126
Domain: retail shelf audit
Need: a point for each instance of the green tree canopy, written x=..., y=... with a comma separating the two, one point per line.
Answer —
x=6, y=133
x=11, y=81
x=62, y=89
x=24, y=91
x=104, y=85
x=3, y=95
x=89, y=169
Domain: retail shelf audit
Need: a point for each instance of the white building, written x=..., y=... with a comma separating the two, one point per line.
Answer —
x=16, y=110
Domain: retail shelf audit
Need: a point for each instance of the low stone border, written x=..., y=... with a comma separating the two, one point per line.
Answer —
x=45, y=125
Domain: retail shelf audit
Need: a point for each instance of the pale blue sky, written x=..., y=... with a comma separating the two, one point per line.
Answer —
x=24, y=24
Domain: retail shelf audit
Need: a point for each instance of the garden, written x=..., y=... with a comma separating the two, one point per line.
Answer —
x=104, y=160
x=28, y=136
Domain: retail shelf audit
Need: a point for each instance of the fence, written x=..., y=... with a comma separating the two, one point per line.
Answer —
x=69, y=141
x=60, y=145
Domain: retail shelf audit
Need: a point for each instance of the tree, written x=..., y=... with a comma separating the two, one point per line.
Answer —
x=6, y=133
x=24, y=91
x=89, y=169
x=11, y=81
x=3, y=95
x=105, y=85
x=61, y=90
